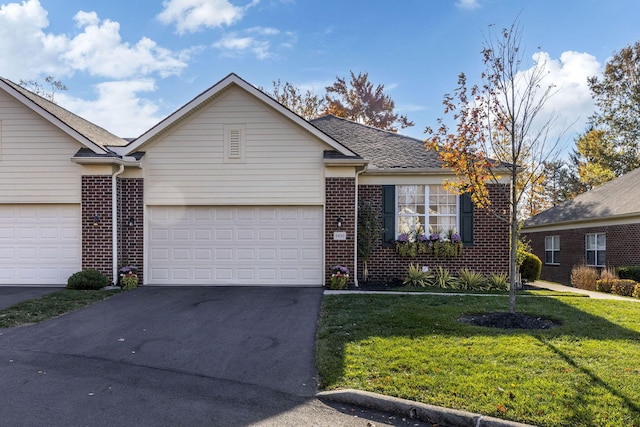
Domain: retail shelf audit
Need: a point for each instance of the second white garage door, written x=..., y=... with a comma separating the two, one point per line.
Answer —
x=235, y=246
x=39, y=244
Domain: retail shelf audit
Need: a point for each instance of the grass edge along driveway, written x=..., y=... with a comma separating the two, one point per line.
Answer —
x=51, y=305
x=583, y=373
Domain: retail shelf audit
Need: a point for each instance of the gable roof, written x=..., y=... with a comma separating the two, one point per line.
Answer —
x=233, y=80
x=613, y=199
x=383, y=149
x=86, y=133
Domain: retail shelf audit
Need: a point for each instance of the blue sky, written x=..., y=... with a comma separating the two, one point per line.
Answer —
x=128, y=64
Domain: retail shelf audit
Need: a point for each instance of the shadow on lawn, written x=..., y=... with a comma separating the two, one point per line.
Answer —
x=353, y=318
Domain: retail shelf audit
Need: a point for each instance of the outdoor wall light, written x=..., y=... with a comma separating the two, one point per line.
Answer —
x=339, y=221
x=96, y=220
x=131, y=222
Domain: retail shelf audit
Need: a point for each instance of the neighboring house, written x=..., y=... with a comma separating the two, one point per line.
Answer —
x=599, y=228
x=231, y=189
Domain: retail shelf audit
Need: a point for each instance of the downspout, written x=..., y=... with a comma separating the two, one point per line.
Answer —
x=114, y=215
x=355, y=234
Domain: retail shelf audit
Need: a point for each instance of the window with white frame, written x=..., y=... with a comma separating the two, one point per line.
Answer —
x=552, y=250
x=427, y=209
x=596, y=249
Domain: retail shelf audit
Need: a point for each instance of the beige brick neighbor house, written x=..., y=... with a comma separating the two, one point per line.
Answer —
x=231, y=189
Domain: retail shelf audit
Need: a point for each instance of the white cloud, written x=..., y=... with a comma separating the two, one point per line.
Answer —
x=195, y=15
x=572, y=102
x=95, y=48
x=468, y=4
x=258, y=41
x=28, y=51
x=118, y=107
x=25, y=49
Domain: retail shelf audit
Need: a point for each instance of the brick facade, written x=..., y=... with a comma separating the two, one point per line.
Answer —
x=97, y=236
x=489, y=253
x=623, y=248
x=340, y=195
x=97, y=239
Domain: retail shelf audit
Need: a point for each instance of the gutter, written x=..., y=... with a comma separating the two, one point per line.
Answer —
x=124, y=161
x=114, y=221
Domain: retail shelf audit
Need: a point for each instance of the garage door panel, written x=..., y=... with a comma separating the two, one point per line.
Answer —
x=41, y=244
x=235, y=245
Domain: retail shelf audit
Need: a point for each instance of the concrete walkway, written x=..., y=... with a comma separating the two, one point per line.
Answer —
x=540, y=284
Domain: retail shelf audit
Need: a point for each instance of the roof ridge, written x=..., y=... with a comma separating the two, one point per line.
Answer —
x=397, y=134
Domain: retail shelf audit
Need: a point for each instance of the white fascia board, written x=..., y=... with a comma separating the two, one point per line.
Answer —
x=346, y=162
x=126, y=161
x=53, y=119
x=213, y=91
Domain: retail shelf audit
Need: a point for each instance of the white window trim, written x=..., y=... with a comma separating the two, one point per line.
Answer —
x=426, y=215
x=596, y=249
x=234, y=143
x=553, y=249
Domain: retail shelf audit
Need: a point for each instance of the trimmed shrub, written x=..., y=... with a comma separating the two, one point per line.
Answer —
x=629, y=272
x=87, y=280
x=623, y=287
x=531, y=267
x=584, y=277
x=417, y=278
x=605, y=285
x=636, y=291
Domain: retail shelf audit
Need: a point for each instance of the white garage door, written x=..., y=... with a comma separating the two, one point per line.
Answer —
x=235, y=246
x=39, y=244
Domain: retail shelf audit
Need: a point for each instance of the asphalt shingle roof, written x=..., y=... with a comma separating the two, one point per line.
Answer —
x=614, y=198
x=383, y=149
x=92, y=132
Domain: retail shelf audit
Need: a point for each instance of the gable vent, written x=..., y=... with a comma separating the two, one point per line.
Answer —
x=234, y=144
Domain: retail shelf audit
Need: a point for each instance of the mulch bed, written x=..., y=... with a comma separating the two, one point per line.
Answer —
x=509, y=321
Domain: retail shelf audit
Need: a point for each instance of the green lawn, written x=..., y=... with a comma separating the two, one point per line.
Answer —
x=51, y=305
x=583, y=373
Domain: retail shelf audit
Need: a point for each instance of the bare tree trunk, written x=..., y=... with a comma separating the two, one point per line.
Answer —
x=513, y=250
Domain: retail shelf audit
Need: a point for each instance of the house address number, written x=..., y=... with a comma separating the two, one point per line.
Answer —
x=339, y=235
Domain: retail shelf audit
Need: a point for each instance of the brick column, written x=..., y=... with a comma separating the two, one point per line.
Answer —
x=97, y=252
x=340, y=196
x=130, y=238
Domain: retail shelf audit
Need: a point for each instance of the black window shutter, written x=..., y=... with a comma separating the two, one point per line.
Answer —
x=466, y=219
x=388, y=215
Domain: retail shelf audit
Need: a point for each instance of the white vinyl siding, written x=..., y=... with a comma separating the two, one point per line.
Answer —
x=282, y=163
x=267, y=245
x=32, y=148
x=39, y=244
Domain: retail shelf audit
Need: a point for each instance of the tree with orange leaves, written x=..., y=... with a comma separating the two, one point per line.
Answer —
x=500, y=135
x=362, y=102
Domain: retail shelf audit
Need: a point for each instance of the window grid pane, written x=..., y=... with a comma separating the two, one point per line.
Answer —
x=552, y=249
x=596, y=245
x=427, y=209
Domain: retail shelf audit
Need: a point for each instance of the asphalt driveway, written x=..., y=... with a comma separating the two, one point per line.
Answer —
x=169, y=356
